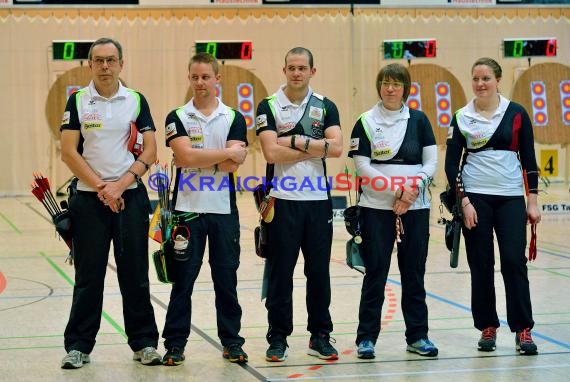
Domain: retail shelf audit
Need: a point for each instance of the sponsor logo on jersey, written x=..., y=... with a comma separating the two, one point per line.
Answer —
x=96, y=125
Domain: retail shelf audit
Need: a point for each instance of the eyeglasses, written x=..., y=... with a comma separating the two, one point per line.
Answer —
x=395, y=85
x=100, y=61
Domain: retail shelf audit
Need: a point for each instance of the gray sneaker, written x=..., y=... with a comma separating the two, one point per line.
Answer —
x=148, y=356
x=74, y=360
x=423, y=347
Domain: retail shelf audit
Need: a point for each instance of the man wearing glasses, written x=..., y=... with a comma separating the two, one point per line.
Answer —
x=110, y=205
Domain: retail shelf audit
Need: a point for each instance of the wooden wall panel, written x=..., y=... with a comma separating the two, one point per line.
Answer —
x=428, y=75
x=555, y=132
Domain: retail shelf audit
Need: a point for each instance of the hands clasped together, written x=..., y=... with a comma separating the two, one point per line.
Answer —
x=110, y=193
x=405, y=197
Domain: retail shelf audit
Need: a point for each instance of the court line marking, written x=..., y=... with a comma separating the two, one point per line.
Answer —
x=391, y=302
x=36, y=298
x=3, y=282
x=553, y=253
x=417, y=359
x=502, y=321
x=250, y=369
x=254, y=372
x=104, y=314
x=427, y=372
x=9, y=222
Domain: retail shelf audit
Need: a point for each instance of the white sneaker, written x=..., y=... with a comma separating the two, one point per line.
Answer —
x=148, y=356
x=74, y=360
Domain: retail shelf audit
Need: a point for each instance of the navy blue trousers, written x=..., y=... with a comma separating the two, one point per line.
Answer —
x=305, y=226
x=378, y=237
x=223, y=234
x=506, y=216
x=95, y=226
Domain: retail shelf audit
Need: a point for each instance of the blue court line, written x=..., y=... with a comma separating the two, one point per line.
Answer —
x=553, y=253
x=503, y=322
x=557, y=253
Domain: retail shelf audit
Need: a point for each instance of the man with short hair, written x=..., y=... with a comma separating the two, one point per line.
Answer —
x=298, y=130
x=111, y=205
x=209, y=142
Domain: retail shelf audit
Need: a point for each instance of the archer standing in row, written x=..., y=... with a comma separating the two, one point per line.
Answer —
x=207, y=138
x=111, y=205
x=299, y=129
x=394, y=142
x=497, y=136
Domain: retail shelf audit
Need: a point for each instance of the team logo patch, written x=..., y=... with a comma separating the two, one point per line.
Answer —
x=354, y=143
x=316, y=112
x=170, y=129
x=261, y=121
x=65, y=118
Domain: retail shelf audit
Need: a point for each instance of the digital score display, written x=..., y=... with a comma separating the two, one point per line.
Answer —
x=226, y=50
x=409, y=49
x=70, y=50
x=524, y=47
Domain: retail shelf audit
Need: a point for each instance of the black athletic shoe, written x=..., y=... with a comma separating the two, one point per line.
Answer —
x=277, y=351
x=173, y=357
x=488, y=340
x=320, y=346
x=234, y=353
x=524, y=343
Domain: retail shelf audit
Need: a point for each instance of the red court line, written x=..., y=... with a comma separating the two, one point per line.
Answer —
x=3, y=282
x=391, y=297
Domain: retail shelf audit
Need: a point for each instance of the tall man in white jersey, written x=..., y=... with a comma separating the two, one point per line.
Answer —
x=298, y=130
x=111, y=205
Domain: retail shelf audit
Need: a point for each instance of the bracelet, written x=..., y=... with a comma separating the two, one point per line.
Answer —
x=326, y=149
x=307, y=140
x=466, y=204
x=147, y=166
x=134, y=174
x=293, y=141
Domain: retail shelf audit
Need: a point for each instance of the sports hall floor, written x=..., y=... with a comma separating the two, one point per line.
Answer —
x=36, y=289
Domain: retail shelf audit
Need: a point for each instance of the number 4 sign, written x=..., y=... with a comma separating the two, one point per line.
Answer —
x=549, y=162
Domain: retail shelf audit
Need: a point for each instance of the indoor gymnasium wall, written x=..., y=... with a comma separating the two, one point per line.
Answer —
x=158, y=43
